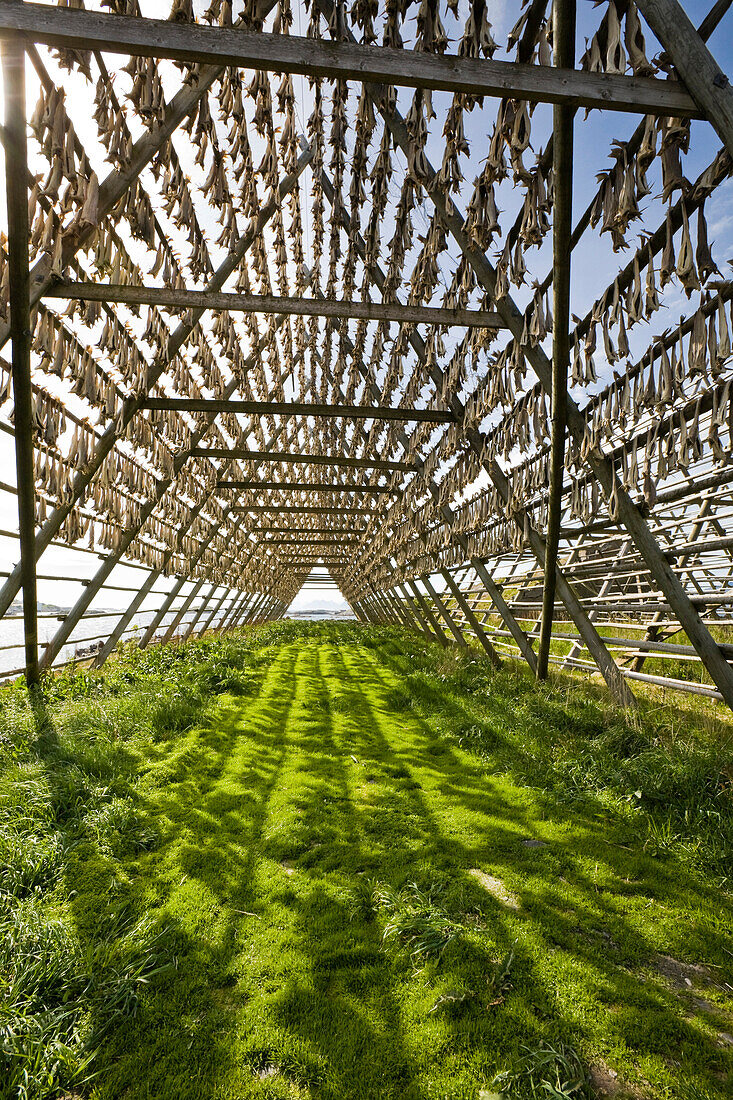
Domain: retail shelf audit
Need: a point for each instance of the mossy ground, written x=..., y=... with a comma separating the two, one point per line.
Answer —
x=333, y=861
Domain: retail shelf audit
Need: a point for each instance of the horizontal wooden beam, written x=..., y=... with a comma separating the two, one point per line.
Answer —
x=308, y=530
x=297, y=408
x=307, y=562
x=167, y=298
x=305, y=486
x=194, y=43
x=298, y=459
x=304, y=509
x=305, y=543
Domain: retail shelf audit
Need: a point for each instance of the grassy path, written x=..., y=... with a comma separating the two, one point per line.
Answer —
x=362, y=905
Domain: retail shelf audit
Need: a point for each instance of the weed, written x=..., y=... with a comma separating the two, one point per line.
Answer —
x=416, y=920
x=552, y=1072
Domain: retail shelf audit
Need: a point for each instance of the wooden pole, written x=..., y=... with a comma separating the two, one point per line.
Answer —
x=443, y=610
x=471, y=618
x=200, y=611
x=16, y=181
x=212, y=615
x=434, y=623
x=505, y=612
x=415, y=609
x=177, y=618
x=563, y=43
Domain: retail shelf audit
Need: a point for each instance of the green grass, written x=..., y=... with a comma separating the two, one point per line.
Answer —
x=332, y=861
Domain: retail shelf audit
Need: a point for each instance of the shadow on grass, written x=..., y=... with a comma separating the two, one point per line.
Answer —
x=276, y=820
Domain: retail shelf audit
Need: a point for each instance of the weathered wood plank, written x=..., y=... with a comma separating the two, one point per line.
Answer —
x=563, y=37
x=304, y=509
x=194, y=43
x=306, y=486
x=345, y=542
x=16, y=175
x=165, y=297
x=298, y=459
x=298, y=408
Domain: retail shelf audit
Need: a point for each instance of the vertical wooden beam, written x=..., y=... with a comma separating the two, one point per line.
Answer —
x=16, y=182
x=563, y=45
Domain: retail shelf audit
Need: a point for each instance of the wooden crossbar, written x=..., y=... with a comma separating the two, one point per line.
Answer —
x=299, y=459
x=194, y=43
x=295, y=509
x=168, y=298
x=306, y=486
x=297, y=408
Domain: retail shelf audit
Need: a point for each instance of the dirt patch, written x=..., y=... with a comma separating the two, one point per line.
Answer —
x=607, y=1083
x=495, y=887
x=683, y=975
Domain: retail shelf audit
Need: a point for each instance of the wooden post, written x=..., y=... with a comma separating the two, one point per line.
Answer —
x=238, y=614
x=175, y=622
x=214, y=613
x=385, y=612
x=434, y=623
x=506, y=613
x=124, y=620
x=408, y=610
x=16, y=181
x=416, y=610
x=199, y=612
x=471, y=618
x=253, y=610
x=377, y=614
x=443, y=610
x=563, y=45
x=403, y=616
x=234, y=611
